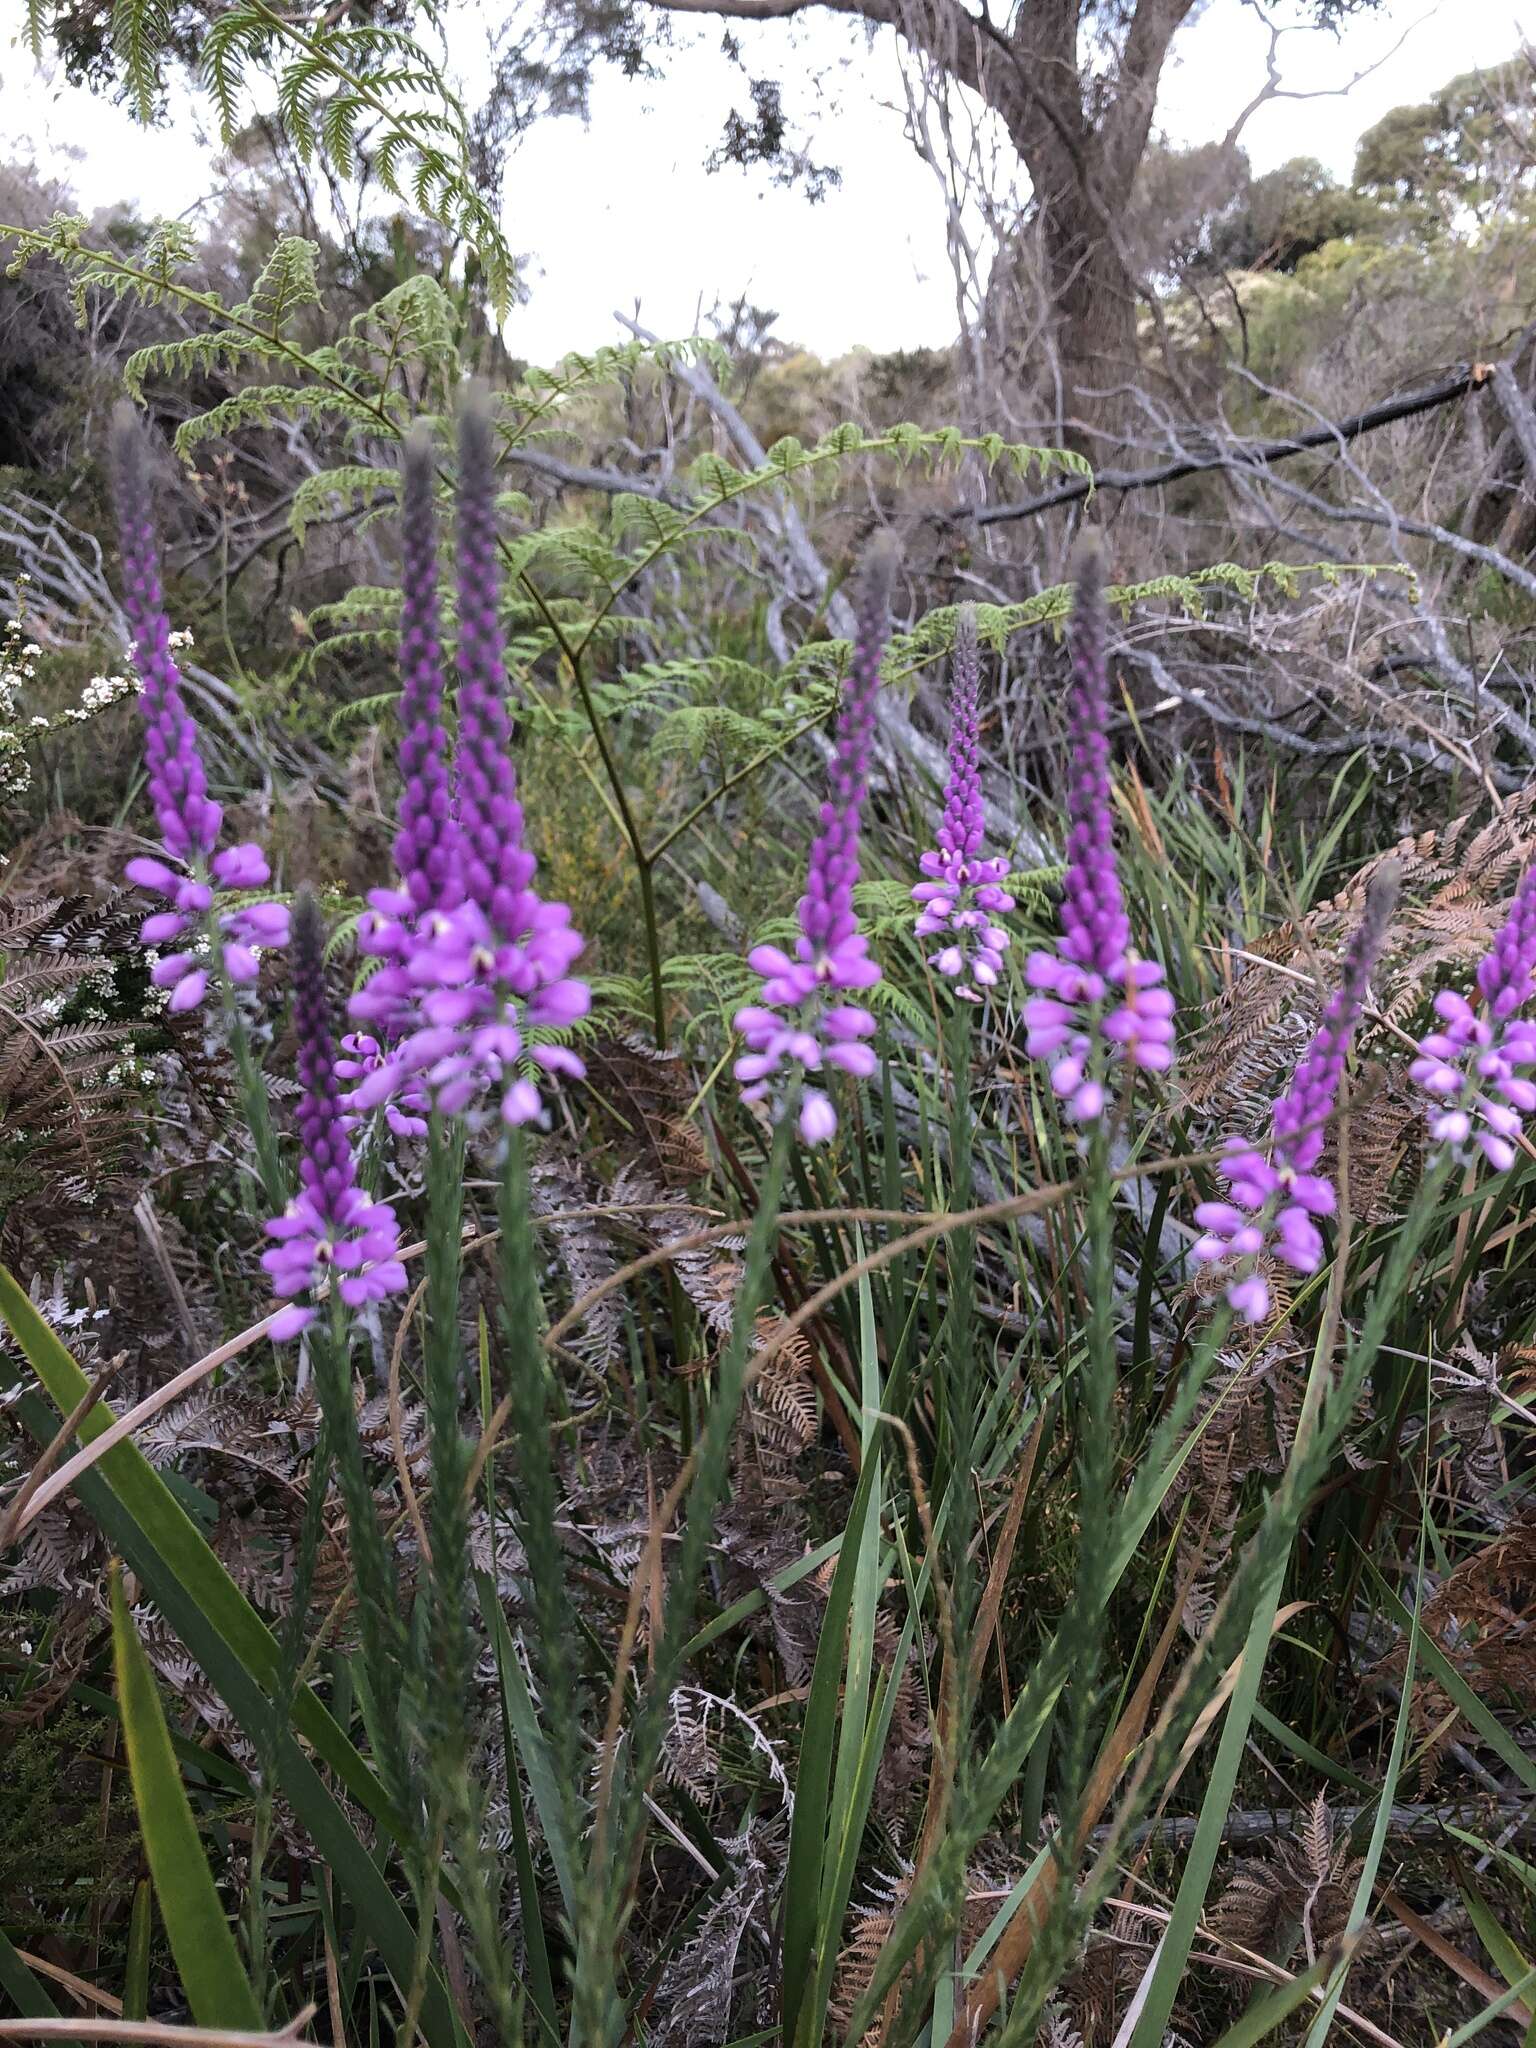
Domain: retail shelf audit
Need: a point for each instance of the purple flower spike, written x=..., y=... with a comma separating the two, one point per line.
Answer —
x=189, y=820
x=178, y=783
x=1274, y=1201
x=427, y=843
x=330, y=1228
x=1097, y=1001
x=964, y=896
x=794, y=1023
x=1470, y=1066
x=490, y=963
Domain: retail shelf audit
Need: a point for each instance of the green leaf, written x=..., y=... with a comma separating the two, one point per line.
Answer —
x=136, y=1976
x=1514, y=1967
x=1266, y=2014
x=144, y=1495
x=133, y=1507
x=217, y=1988
x=811, y=1880
x=21, y=1986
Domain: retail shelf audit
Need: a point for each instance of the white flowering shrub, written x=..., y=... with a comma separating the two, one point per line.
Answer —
x=21, y=727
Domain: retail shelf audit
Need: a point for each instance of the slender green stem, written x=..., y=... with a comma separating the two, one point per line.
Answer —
x=447, y=1682
x=553, y=1634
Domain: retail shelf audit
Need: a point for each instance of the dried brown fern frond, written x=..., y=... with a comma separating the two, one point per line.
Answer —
x=1298, y=1898
x=869, y=1929
x=1465, y=1395
x=1483, y=1617
x=781, y=1413
x=583, y=1250
x=646, y=1093
x=712, y=1975
x=71, y=1120
x=904, y=1764
x=1456, y=884
x=1245, y=1425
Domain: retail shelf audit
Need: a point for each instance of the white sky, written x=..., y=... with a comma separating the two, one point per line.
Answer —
x=624, y=210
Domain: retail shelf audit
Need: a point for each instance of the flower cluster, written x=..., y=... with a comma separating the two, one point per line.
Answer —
x=1470, y=1065
x=1097, y=1001
x=331, y=1226
x=19, y=657
x=963, y=895
x=189, y=820
x=1275, y=1202
x=798, y=1020
x=476, y=961
x=405, y=1111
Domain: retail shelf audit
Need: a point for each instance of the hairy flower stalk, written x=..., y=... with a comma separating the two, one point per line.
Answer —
x=1098, y=1002
x=1275, y=1201
x=488, y=961
x=330, y=1228
x=189, y=820
x=964, y=894
x=798, y=1021
x=1469, y=1066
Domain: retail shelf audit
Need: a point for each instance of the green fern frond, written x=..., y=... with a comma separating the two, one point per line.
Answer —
x=141, y=33
x=361, y=711
x=317, y=495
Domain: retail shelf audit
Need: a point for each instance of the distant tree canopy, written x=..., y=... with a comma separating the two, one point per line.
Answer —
x=1073, y=82
x=1465, y=151
x=1446, y=167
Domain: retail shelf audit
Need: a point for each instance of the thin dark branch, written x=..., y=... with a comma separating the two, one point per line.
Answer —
x=1246, y=454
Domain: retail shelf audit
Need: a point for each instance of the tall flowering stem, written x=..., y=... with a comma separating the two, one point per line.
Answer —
x=798, y=1025
x=1275, y=1201
x=330, y=1232
x=427, y=844
x=1470, y=1066
x=1098, y=1002
x=963, y=895
x=488, y=960
x=209, y=942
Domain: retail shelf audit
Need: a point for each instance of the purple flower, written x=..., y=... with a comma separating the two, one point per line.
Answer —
x=488, y=963
x=331, y=1226
x=794, y=1023
x=189, y=820
x=1274, y=1201
x=1097, y=1002
x=405, y=1114
x=963, y=895
x=1470, y=1066
x=427, y=844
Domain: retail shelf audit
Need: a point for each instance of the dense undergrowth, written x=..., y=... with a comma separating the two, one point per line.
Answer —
x=862, y=1585
x=795, y=1487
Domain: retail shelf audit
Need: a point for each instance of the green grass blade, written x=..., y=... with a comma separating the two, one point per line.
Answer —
x=136, y=1974
x=528, y=1740
x=21, y=1986
x=1512, y=1965
x=1360, y=1907
x=1263, y=2017
x=355, y=1870
x=1490, y=2013
x=1217, y=1804
x=212, y=1975
x=141, y=1491
x=808, y=1832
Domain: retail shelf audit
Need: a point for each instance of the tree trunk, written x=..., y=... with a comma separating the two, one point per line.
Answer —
x=1095, y=304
